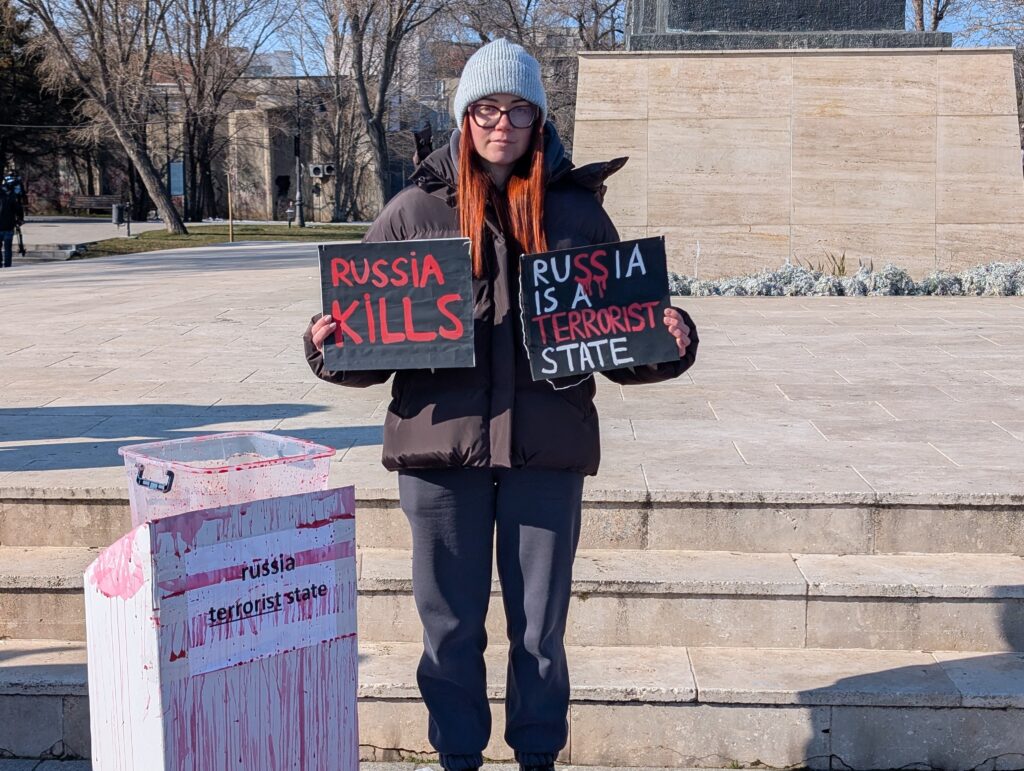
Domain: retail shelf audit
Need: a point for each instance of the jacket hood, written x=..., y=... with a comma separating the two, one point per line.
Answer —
x=438, y=174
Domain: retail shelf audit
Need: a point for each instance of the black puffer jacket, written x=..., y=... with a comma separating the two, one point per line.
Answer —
x=494, y=414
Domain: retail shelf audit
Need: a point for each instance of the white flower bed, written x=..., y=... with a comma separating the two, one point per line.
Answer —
x=1001, y=279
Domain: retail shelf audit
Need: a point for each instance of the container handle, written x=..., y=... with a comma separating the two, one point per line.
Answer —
x=163, y=487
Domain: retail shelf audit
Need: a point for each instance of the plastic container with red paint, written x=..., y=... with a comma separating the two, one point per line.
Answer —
x=205, y=472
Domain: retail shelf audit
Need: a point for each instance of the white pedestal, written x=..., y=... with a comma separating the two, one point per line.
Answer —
x=226, y=639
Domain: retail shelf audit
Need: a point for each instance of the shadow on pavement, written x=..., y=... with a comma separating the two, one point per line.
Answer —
x=47, y=439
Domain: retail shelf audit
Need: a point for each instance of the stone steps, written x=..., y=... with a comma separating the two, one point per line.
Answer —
x=810, y=523
x=668, y=706
x=650, y=597
x=630, y=597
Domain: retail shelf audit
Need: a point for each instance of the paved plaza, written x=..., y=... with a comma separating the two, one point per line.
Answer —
x=851, y=399
x=764, y=574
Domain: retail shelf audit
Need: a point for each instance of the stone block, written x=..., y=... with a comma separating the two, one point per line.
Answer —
x=31, y=726
x=56, y=614
x=381, y=524
x=614, y=620
x=821, y=677
x=613, y=526
x=910, y=246
x=898, y=624
x=994, y=681
x=392, y=617
x=624, y=674
x=77, y=743
x=966, y=245
x=652, y=573
x=874, y=737
x=601, y=140
x=703, y=87
x=57, y=523
x=604, y=674
x=687, y=621
x=721, y=251
x=970, y=529
x=699, y=735
x=977, y=82
x=913, y=576
x=979, y=169
x=856, y=169
x=611, y=88
x=752, y=483
x=761, y=528
x=392, y=730
x=711, y=171
x=895, y=86
x=42, y=667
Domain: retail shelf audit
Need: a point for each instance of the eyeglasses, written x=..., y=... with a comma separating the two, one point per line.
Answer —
x=489, y=115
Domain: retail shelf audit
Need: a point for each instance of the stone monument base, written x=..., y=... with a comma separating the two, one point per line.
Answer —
x=746, y=159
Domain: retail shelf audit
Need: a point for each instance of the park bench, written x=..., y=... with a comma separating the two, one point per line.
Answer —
x=92, y=202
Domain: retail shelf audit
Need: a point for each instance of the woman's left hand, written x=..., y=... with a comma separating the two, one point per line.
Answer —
x=677, y=327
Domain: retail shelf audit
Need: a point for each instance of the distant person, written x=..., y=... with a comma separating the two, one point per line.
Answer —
x=12, y=215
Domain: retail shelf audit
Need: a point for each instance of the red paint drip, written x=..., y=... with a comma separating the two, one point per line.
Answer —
x=323, y=522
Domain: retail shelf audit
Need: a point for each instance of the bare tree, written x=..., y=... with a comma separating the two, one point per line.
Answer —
x=928, y=15
x=106, y=48
x=599, y=24
x=996, y=21
x=379, y=31
x=516, y=20
x=210, y=46
x=327, y=55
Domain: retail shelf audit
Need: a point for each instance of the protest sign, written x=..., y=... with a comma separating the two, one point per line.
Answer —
x=398, y=304
x=596, y=308
x=226, y=638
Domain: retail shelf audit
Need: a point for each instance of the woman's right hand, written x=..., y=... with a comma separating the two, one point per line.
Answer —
x=321, y=330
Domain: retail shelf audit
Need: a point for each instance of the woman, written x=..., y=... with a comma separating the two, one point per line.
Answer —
x=488, y=449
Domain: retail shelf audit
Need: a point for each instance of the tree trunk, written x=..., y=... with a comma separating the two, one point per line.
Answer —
x=90, y=177
x=207, y=191
x=379, y=143
x=151, y=181
x=195, y=206
x=918, y=6
x=336, y=123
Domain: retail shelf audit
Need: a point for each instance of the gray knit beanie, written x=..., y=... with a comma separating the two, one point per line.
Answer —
x=500, y=67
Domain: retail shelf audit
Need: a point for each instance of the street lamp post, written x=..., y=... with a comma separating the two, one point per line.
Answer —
x=300, y=219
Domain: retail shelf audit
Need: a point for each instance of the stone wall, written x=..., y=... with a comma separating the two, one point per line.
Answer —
x=746, y=159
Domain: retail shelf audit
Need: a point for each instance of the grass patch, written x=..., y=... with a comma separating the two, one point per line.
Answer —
x=205, y=235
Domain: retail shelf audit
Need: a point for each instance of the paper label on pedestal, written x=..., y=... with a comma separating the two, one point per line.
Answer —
x=259, y=596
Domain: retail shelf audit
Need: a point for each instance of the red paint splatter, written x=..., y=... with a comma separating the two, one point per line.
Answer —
x=117, y=572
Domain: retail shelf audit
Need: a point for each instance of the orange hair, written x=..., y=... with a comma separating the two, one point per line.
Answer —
x=523, y=199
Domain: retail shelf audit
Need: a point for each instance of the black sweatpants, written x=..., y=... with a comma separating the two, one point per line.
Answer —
x=453, y=515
